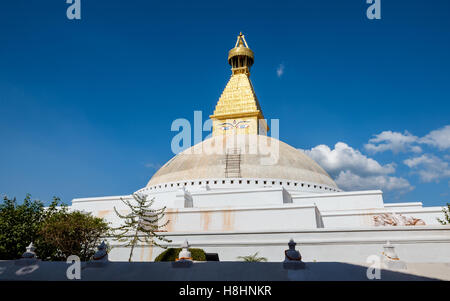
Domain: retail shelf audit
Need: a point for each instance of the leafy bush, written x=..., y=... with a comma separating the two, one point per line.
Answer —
x=171, y=254
x=70, y=233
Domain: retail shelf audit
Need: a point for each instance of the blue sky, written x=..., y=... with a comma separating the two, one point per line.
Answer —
x=86, y=105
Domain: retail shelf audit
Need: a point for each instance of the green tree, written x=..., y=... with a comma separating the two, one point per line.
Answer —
x=253, y=258
x=66, y=233
x=141, y=224
x=56, y=232
x=20, y=224
x=446, y=220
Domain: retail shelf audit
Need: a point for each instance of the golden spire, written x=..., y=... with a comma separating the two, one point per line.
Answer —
x=238, y=110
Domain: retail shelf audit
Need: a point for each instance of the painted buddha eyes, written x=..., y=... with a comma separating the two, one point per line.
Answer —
x=228, y=126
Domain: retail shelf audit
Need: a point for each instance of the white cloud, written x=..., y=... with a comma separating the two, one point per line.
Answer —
x=350, y=181
x=354, y=171
x=394, y=141
x=344, y=157
x=406, y=142
x=280, y=70
x=429, y=167
x=438, y=138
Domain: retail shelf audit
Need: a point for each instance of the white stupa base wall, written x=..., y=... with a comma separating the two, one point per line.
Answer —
x=238, y=219
x=261, y=208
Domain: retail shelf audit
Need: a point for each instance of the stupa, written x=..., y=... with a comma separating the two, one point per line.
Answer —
x=244, y=191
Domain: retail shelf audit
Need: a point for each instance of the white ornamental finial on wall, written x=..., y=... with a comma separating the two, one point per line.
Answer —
x=391, y=259
x=184, y=253
x=29, y=253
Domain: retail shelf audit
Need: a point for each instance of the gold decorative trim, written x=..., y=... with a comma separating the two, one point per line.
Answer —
x=236, y=115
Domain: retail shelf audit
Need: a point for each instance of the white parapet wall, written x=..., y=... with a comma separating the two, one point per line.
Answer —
x=230, y=218
x=371, y=199
x=412, y=243
x=263, y=218
x=242, y=198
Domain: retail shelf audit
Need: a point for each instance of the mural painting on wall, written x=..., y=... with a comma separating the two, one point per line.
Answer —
x=393, y=219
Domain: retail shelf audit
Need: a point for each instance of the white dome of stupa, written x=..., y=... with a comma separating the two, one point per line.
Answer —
x=254, y=157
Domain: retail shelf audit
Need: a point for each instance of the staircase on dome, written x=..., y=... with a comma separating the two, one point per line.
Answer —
x=233, y=163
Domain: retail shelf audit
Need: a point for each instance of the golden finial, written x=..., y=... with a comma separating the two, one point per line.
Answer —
x=241, y=57
x=241, y=42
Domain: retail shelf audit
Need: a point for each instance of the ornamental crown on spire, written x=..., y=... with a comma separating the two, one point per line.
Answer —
x=241, y=57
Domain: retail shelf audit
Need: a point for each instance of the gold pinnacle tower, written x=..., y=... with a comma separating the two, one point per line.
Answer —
x=238, y=110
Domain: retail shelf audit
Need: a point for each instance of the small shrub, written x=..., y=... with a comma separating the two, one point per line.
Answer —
x=446, y=220
x=171, y=254
x=253, y=258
